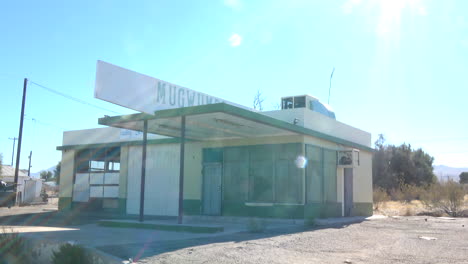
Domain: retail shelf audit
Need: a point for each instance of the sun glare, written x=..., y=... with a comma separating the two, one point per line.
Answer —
x=390, y=13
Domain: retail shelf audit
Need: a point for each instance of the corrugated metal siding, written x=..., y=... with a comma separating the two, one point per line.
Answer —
x=133, y=180
x=162, y=180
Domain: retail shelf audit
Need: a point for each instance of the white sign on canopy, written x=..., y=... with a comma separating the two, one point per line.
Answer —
x=144, y=93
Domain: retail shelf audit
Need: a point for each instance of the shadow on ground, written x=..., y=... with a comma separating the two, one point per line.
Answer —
x=143, y=247
x=54, y=218
x=138, y=251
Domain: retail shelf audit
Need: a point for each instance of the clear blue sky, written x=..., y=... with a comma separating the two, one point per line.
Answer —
x=401, y=65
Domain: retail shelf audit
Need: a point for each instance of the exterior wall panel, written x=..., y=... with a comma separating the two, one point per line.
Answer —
x=162, y=180
x=362, y=181
x=193, y=171
x=66, y=173
x=123, y=175
x=133, y=180
x=330, y=166
x=323, y=124
x=314, y=174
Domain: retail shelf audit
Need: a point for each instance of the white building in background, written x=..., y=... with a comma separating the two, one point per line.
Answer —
x=28, y=188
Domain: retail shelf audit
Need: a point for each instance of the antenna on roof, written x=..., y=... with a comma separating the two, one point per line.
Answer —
x=329, y=88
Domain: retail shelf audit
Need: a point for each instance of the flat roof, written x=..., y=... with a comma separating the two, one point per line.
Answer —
x=217, y=122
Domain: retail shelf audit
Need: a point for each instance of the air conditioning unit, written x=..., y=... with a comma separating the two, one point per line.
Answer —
x=348, y=158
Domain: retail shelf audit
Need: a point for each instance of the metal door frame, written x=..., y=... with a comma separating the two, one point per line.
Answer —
x=347, y=190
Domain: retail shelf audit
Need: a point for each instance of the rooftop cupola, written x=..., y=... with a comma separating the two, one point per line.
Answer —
x=309, y=102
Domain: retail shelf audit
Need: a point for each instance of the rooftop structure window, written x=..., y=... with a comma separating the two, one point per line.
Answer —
x=287, y=103
x=299, y=102
x=293, y=102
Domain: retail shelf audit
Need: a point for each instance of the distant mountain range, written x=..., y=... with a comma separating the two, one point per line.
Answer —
x=37, y=174
x=444, y=173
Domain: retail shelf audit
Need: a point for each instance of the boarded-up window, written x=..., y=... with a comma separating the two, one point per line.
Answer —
x=321, y=175
x=101, y=167
x=263, y=173
x=314, y=173
x=330, y=175
x=288, y=182
x=261, y=178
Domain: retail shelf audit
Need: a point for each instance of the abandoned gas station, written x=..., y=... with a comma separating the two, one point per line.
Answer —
x=211, y=157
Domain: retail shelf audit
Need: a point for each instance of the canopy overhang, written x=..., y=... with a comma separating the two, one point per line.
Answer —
x=216, y=122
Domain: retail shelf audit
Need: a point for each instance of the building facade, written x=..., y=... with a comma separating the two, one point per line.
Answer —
x=290, y=163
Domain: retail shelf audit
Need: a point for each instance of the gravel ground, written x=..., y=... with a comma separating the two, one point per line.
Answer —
x=391, y=240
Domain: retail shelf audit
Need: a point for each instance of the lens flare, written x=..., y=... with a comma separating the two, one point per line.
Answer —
x=301, y=162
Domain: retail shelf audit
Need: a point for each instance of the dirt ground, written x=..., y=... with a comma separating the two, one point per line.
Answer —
x=390, y=240
x=51, y=205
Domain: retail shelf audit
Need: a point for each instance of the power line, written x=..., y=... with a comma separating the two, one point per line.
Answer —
x=35, y=120
x=72, y=98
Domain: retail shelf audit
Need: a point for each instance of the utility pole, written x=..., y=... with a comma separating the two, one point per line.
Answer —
x=29, y=168
x=20, y=134
x=13, y=151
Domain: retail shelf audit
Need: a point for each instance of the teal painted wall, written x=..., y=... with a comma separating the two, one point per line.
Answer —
x=231, y=208
x=322, y=210
x=192, y=207
x=263, y=173
x=259, y=174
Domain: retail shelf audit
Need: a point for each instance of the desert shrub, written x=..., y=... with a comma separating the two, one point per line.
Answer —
x=71, y=254
x=396, y=194
x=406, y=193
x=411, y=192
x=447, y=197
x=380, y=196
x=437, y=213
x=12, y=248
x=256, y=225
x=408, y=211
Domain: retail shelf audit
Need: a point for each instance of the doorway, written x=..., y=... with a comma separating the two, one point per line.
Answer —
x=212, y=175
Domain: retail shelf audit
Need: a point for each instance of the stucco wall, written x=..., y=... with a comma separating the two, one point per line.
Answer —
x=321, y=143
x=318, y=122
x=193, y=170
x=335, y=128
x=66, y=173
x=362, y=179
